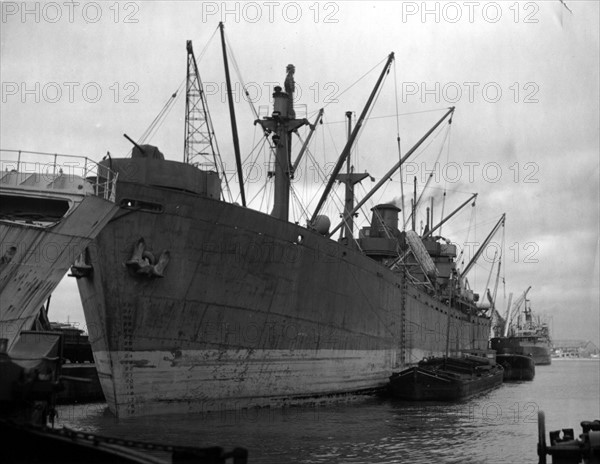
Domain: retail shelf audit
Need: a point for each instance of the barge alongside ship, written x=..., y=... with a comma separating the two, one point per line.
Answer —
x=446, y=379
x=202, y=304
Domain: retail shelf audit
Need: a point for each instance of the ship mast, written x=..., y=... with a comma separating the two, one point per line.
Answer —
x=236, y=143
x=199, y=141
x=281, y=124
x=391, y=172
x=350, y=179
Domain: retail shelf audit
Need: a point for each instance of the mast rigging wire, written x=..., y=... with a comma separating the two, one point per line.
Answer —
x=446, y=137
x=352, y=85
x=159, y=118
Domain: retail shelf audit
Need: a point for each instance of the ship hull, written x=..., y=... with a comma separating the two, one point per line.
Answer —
x=159, y=382
x=539, y=348
x=40, y=258
x=251, y=310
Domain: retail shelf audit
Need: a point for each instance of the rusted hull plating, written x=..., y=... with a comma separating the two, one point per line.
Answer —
x=35, y=259
x=251, y=311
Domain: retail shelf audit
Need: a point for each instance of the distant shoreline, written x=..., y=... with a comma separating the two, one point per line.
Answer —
x=575, y=359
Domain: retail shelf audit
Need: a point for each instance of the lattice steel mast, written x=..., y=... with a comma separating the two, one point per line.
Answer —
x=200, y=147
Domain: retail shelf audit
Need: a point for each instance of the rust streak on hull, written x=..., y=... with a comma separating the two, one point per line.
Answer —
x=42, y=258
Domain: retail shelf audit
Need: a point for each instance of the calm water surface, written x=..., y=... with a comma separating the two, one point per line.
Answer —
x=497, y=427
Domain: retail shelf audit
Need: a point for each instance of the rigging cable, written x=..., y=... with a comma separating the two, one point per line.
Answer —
x=258, y=148
x=409, y=113
x=211, y=127
x=239, y=76
x=207, y=44
x=160, y=117
x=364, y=125
x=421, y=151
x=446, y=137
x=304, y=212
x=335, y=100
x=322, y=175
x=236, y=68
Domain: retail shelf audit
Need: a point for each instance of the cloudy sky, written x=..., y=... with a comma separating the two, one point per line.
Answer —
x=523, y=76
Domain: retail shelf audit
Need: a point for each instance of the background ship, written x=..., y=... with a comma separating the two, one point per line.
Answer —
x=200, y=304
x=51, y=207
x=524, y=334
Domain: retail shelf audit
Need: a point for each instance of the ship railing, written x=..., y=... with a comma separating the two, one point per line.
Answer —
x=100, y=179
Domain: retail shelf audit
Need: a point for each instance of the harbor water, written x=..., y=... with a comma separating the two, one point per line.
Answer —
x=497, y=427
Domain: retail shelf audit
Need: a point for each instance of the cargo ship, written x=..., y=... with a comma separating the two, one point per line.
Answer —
x=524, y=334
x=198, y=304
x=51, y=208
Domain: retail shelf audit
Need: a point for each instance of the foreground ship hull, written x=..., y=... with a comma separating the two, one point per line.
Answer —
x=250, y=311
x=42, y=259
x=46, y=222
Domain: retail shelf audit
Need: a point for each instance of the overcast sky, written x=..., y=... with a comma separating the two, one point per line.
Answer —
x=524, y=77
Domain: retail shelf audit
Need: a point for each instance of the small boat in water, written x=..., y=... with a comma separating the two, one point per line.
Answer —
x=517, y=366
x=446, y=379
